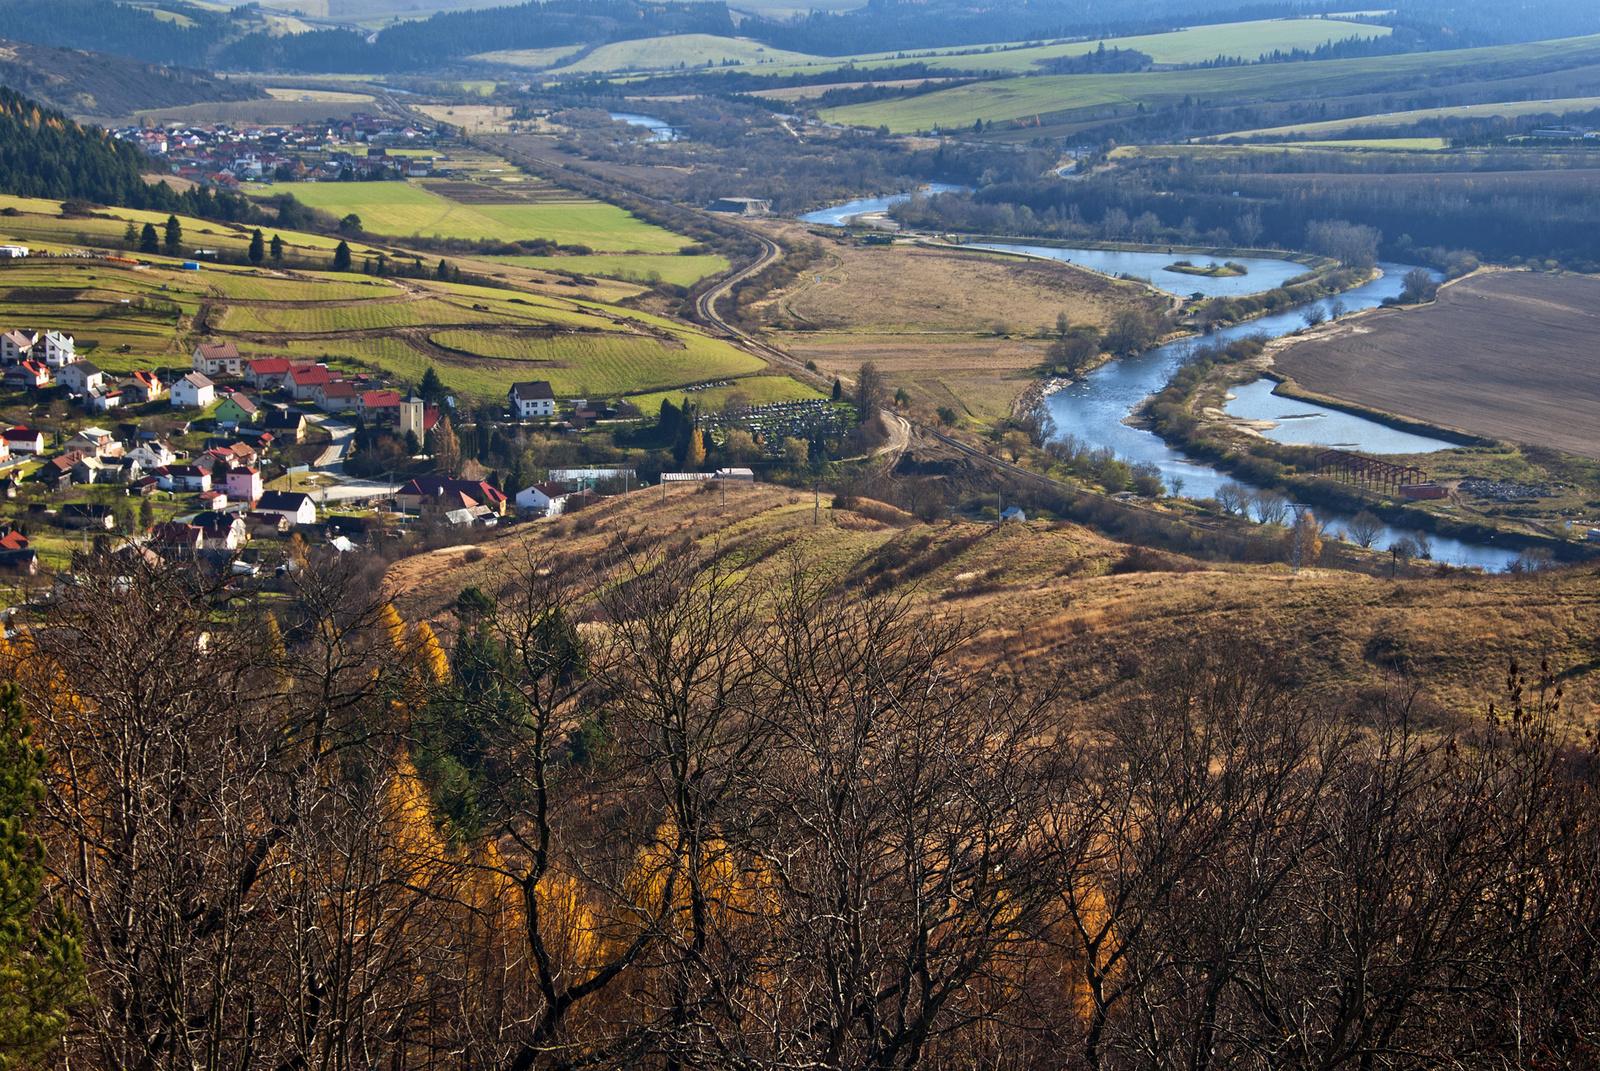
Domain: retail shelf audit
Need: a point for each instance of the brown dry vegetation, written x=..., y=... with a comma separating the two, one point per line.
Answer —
x=1059, y=599
x=1503, y=354
x=928, y=316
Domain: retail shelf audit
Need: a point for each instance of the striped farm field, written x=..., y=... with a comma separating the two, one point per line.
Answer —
x=359, y=316
x=603, y=364
x=632, y=267
x=269, y=288
x=405, y=208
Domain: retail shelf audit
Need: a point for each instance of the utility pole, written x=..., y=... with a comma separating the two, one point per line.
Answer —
x=816, y=503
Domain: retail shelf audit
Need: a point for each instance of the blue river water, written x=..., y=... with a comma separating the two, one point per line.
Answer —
x=1094, y=409
x=1263, y=274
x=659, y=130
x=840, y=215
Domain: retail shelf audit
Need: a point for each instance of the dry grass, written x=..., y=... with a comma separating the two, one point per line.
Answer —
x=953, y=327
x=1503, y=354
x=1041, y=599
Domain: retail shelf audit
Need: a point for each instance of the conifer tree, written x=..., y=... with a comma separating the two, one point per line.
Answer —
x=341, y=257
x=258, y=247
x=277, y=248
x=174, y=237
x=149, y=241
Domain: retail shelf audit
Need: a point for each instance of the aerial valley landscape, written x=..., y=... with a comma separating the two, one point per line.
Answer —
x=675, y=534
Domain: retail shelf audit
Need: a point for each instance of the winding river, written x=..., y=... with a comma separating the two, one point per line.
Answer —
x=1096, y=408
x=841, y=215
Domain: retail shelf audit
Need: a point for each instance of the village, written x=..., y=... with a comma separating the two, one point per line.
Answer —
x=355, y=148
x=228, y=461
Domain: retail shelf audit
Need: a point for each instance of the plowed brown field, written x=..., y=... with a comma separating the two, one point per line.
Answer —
x=1512, y=355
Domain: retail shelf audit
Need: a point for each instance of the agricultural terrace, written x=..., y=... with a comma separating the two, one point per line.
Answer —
x=409, y=209
x=1026, y=98
x=642, y=268
x=1507, y=109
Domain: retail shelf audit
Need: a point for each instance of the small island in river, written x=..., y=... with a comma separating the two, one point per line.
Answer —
x=1212, y=270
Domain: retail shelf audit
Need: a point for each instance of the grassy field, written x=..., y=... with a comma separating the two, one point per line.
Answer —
x=319, y=95
x=1245, y=40
x=757, y=390
x=640, y=267
x=405, y=208
x=1502, y=354
x=126, y=318
x=531, y=58
x=1335, y=127
x=956, y=329
x=1025, y=98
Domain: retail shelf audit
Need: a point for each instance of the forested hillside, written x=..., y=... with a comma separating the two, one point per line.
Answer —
x=106, y=83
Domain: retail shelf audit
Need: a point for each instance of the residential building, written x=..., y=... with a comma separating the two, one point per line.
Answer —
x=286, y=424
x=244, y=485
x=533, y=400
x=152, y=454
x=218, y=359
x=183, y=478
x=100, y=399
x=87, y=515
x=81, y=377
x=23, y=440
x=298, y=508
x=267, y=524
x=97, y=442
x=172, y=537
x=267, y=373
x=546, y=498
x=303, y=380
x=193, y=391
x=335, y=397
x=438, y=492
x=221, y=531
x=59, y=349
x=17, y=346
x=237, y=409
x=144, y=387
x=379, y=407
x=27, y=375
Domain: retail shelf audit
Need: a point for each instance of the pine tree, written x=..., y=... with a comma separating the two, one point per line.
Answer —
x=258, y=247
x=41, y=970
x=130, y=236
x=174, y=236
x=277, y=249
x=442, y=273
x=341, y=257
x=432, y=389
x=838, y=390
x=149, y=241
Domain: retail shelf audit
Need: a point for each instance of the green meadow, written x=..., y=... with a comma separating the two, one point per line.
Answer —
x=630, y=267
x=1025, y=98
x=405, y=209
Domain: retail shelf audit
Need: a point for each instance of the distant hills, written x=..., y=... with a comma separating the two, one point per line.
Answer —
x=102, y=85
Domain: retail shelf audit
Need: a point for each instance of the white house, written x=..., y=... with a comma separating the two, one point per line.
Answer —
x=193, y=391
x=218, y=359
x=81, y=377
x=183, y=478
x=152, y=455
x=17, y=346
x=23, y=440
x=298, y=508
x=59, y=349
x=546, y=497
x=1012, y=513
x=533, y=399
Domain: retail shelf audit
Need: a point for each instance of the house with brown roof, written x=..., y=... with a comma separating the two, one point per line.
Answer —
x=193, y=391
x=218, y=359
x=335, y=397
x=17, y=346
x=237, y=409
x=438, y=493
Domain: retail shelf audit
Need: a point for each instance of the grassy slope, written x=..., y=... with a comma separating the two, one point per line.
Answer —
x=1025, y=98
x=1245, y=40
x=1048, y=602
x=590, y=343
x=404, y=208
x=636, y=267
x=1465, y=111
